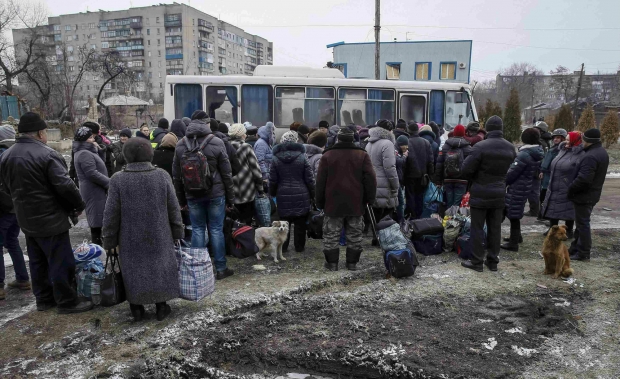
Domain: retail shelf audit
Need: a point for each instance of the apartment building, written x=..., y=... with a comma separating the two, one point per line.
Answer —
x=154, y=41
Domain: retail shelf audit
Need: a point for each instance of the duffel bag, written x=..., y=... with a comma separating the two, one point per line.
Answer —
x=424, y=227
x=315, y=224
x=391, y=238
x=262, y=207
x=243, y=243
x=429, y=244
x=400, y=263
x=196, y=279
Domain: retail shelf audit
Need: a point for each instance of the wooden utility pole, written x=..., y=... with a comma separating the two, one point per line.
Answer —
x=577, y=96
x=377, y=37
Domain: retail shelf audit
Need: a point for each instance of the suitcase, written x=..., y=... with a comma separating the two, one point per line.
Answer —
x=431, y=244
x=425, y=227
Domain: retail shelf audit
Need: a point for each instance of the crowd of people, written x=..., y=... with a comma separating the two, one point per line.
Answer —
x=137, y=198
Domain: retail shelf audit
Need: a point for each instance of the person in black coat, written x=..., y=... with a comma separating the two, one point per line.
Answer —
x=178, y=127
x=159, y=132
x=585, y=191
x=164, y=153
x=419, y=163
x=520, y=179
x=453, y=183
x=534, y=196
x=426, y=132
x=235, y=165
x=486, y=167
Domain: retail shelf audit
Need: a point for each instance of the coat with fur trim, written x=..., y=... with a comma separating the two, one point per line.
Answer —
x=520, y=177
x=291, y=180
x=380, y=148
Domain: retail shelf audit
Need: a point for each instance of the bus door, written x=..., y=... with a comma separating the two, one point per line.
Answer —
x=413, y=106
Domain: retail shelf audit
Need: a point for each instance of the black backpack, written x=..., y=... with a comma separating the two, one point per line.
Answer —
x=195, y=169
x=453, y=163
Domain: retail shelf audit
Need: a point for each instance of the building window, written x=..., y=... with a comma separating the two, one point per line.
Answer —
x=69, y=38
x=159, y=74
x=67, y=28
x=148, y=42
x=448, y=71
x=150, y=75
x=392, y=71
x=158, y=42
x=157, y=20
x=148, y=31
x=93, y=47
x=159, y=53
x=159, y=64
x=423, y=71
x=95, y=78
x=157, y=31
x=149, y=56
x=161, y=85
x=150, y=65
x=105, y=45
x=56, y=28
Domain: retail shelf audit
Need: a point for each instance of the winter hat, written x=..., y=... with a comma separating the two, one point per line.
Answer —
x=237, y=130
x=345, y=135
x=592, y=136
x=385, y=124
x=82, y=134
x=223, y=128
x=163, y=123
x=542, y=126
x=530, y=136
x=324, y=124
x=169, y=140
x=426, y=128
x=290, y=136
x=30, y=122
x=318, y=139
x=459, y=131
x=402, y=140
x=138, y=150
x=401, y=124
x=199, y=115
x=574, y=138
x=125, y=132
x=214, y=124
x=247, y=124
x=559, y=132
x=294, y=126
x=493, y=123
x=94, y=127
x=473, y=126
x=186, y=120
x=413, y=128
x=303, y=129
x=251, y=130
x=6, y=132
x=178, y=127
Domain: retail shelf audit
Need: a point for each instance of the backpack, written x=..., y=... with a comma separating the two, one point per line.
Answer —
x=243, y=243
x=453, y=163
x=400, y=263
x=195, y=170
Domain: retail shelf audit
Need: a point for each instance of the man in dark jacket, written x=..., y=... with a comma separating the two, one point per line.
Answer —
x=345, y=184
x=448, y=173
x=206, y=209
x=158, y=133
x=251, y=135
x=35, y=176
x=486, y=167
x=235, y=165
x=419, y=163
x=585, y=191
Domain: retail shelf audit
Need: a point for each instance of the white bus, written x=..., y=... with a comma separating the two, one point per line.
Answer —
x=285, y=95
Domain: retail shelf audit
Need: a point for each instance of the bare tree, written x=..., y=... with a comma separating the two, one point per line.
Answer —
x=525, y=77
x=111, y=66
x=43, y=80
x=71, y=73
x=563, y=82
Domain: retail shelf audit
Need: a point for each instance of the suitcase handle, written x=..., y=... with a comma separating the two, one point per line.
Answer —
x=373, y=224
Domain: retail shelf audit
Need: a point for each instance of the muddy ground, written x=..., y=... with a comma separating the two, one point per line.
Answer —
x=295, y=317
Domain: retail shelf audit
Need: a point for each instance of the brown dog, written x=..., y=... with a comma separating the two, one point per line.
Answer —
x=555, y=253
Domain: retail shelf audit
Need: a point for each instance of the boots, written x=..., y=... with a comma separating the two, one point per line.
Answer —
x=137, y=311
x=507, y=239
x=162, y=310
x=331, y=259
x=353, y=256
x=513, y=240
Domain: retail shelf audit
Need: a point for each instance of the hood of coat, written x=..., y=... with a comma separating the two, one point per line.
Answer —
x=377, y=134
x=157, y=132
x=398, y=133
x=535, y=151
x=289, y=151
x=427, y=133
x=198, y=128
x=457, y=142
x=313, y=150
x=333, y=131
x=178, y=127
x=267, y=133
x=83, y=145
x=545, y=136
x=169, y=142
x=7, y=143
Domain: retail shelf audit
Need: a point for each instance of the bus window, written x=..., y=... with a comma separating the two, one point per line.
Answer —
x=187, y=99
x=458, y=109
x=437, y=106
x=222, y=103
x=364, y=106
x=307, y=105
x=256, y=104
x=412, y=108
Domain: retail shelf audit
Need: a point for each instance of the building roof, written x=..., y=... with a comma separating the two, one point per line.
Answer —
x=123, y=100
x=388, y=42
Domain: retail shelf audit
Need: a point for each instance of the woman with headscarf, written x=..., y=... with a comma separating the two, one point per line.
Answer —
x=144, y=236
x=291, y=180
x=93, y=177
x=164, y=153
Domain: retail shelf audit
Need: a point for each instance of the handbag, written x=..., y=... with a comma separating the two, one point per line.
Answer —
x=112, y=287
x=196, y=279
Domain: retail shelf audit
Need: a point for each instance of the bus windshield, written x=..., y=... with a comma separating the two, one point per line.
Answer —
x=458, y=109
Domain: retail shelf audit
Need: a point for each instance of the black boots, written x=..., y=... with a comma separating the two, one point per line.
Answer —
x=224, y=274
x=353, y=256
x=137, y=311
x=507, y=239
x=332, y=257
x=515, y=237
x=162, y=310
x=491, y=265
x=471, y=266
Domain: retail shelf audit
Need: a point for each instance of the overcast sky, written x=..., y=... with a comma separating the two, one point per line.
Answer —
x=503, y=31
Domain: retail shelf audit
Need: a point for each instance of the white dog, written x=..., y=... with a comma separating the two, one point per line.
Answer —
x=273, y=237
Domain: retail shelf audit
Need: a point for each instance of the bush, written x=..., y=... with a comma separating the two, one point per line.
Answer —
x=564, y=120
x=512, y=117
x=587, y=120
x=550, y=120
x=609, y=128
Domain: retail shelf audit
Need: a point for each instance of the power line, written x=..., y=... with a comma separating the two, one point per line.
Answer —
x=422, y=26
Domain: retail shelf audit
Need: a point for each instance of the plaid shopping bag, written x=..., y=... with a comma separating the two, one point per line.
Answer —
x=196, y=279
x=262, y=206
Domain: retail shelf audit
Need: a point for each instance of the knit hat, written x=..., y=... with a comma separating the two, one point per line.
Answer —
x=290, y=136
x=473, y=126
x=324, y=124
x=163, y=123
x=542, y=126
x=169, y=140
x=592, y=136
x=251, y=130
x=530, y=136
x=186, y=120
x=574, y=138
x=345, y=134
x=401, y=124
x=30, y=122
x=385, y=124
x=138, y=150
x=199, y=115
x=125, y=132
x=303, y=129
x=94, y=127
x=493, y=123
x=223, y=128
x=237, y=130
x=559, y=132
x=82, y=134
x=318, y=139
x=6, y=132
x=214, y=124
x=426, y=128
x=459, y=131
x=402, y=140
x=413, y=128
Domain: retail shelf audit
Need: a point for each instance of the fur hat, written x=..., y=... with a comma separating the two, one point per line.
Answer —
x=199, y=115
x=163, y=123
x=30, y=122
x=345, y=134
x=138, y=150
x=125, y=132
x=290, y=136
x=294, y=126
x=251, y=130
x=82, y=134
x=324, y=124
x=237, y=130
x=401, y=124
x=530, y=136
x=402, y=140
x=7, y=132
x=93, y=126
x=318, y=139
x=413, y=128
x=473, y=126
x=186, y=120
x=493, y=123
x=303, y=129
x=459, y=131
x=169, y=140
x=592, y=136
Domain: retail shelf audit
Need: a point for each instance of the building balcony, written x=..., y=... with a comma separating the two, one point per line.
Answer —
x=205, y=28
x=174, y=56
x=172, y=22
x=136, y=25
x=175, y=33
x=203, y=48
x=175, y=44
x=205, y=66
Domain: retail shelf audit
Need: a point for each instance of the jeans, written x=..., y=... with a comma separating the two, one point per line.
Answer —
x=209, y=213
x=583, y=238
x=493, y=218
x=400, y=209
x=454, y=191
x=52, y=267
x=299, y=234
x=9, y=231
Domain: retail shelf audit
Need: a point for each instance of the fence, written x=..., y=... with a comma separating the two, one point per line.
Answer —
x=9, y=106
